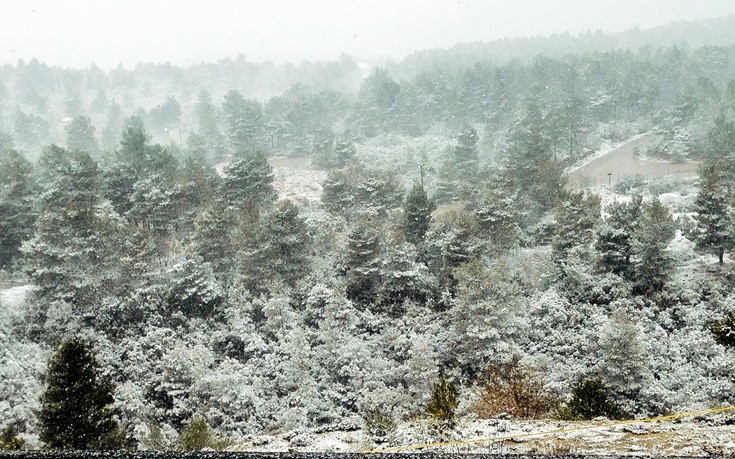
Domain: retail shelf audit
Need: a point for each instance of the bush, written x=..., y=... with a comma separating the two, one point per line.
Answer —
x=724, y=330
x=196, y=435
x=590, y=399
x=444, y=401
x=379, y=424
x=9, y=439
x=510, y=388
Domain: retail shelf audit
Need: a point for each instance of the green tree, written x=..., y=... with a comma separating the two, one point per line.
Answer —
x=713, y=232
x=197, y=435
x=590, y=399
x=17, y=198
x=652, y=263
x=245, y=122
x=9, y=439
x=531, y=169
x=363, y=262
x=615, y=236
x=249, y=182
x=80, y=135
x=76, y=406
x=417, y=209
x=444, y=401
x=576, y=217
x=282, y=244
x=460, y=168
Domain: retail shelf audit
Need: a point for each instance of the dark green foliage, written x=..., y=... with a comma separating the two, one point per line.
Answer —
x=194, y=290
x=499, y=218
x=616, y=235
x=167, y=114
x=653, y=265
x=591, y=399
x=76, y=406
x=713, y=232
x=280, y=248
x=444, y=401
x=9, y=439
x=531, y=169
x=17, y=213
x=724, y=330
x=417, y=210
x=244, y=121
x=248, y=182
x=362, y=191
x=720, y=143
x=363, y=263
x=335, y=154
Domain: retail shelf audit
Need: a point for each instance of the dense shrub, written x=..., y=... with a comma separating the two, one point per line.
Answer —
x=379, y=424
x=724, y=330
x=444, y=401
x=196, y=435
x=591, y=399
x=510, y=388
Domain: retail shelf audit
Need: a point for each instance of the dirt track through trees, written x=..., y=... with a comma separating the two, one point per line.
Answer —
x=622, y=163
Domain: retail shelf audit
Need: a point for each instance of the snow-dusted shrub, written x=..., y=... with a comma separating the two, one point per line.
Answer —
x=444, y=401
x=511, y=388
x=197, y=435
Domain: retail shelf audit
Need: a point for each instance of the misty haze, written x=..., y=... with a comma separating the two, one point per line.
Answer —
x=354, y=226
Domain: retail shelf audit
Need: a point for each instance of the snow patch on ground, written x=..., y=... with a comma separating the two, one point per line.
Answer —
x=13, y=301
x=699, y=436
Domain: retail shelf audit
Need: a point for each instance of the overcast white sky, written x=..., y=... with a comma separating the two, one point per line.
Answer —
x=75, y=33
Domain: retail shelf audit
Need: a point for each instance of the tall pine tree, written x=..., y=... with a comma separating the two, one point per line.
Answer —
x=417, y=211
x=713, y=221
x=76, y=407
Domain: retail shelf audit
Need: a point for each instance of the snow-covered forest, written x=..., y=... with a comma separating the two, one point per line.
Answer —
x=272, y=247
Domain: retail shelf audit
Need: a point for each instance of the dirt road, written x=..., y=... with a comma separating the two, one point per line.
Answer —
x=622, y=162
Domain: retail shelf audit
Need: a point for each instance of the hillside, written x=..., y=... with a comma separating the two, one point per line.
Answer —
x=270, y=256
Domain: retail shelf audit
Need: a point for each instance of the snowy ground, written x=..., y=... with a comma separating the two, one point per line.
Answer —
x=296, y=180
x=12, y=303
x=693, y=437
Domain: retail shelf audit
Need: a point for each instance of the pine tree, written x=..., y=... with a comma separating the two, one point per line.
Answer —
x=80, y=135
x=616, y=235
x=713, y=230
x=17, y=214
x=249, y=182
x=652, y=264
x=576, y=217
x=444, y=401
x=76, y=407
x=417, y=209
x=363, y=263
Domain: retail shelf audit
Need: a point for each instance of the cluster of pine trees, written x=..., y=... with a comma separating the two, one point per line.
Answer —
x=444, y=244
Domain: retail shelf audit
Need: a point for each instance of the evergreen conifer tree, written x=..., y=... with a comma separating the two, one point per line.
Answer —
x=76, y=407
x=417, y=214
x=713, y=219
